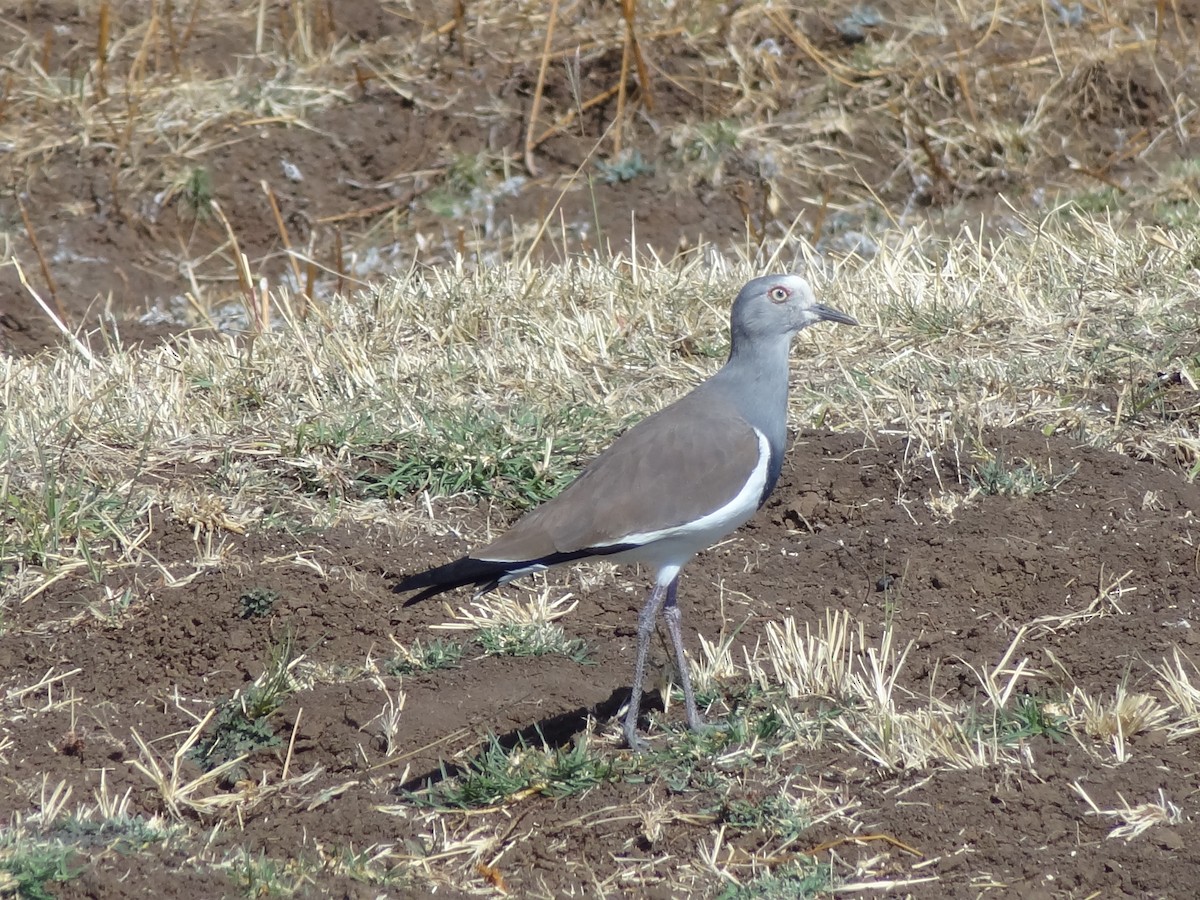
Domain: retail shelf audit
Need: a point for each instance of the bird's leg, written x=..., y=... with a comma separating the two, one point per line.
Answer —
x=673, y=616
x=646, y=620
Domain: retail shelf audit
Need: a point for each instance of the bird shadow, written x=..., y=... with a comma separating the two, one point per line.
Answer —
x=555, y=732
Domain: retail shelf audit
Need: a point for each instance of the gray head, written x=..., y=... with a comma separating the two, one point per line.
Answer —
x=774, y=307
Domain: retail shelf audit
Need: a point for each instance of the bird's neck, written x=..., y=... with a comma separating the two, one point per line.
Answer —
x=755, y=379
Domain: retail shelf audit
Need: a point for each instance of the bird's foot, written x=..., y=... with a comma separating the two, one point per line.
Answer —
x=700, y=726
x=633, y=740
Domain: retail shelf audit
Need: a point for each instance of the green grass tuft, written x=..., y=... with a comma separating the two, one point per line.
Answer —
x=262, y=876
x=497, y=775
x=464, y=187
x=124, y=832
x=198, y=193
x=626, y=166
x=796, y=880
x=777, y=814
x=705, y=148
x=57, y=518
x=242, y=727
x=995, y=478
x=256, y=603
x=520, y=457
x=531, y=639
x=27, y=865
x=438, y=654
x=1027, y=717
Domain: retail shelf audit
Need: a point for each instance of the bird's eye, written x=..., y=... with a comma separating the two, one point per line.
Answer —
x=778, y=294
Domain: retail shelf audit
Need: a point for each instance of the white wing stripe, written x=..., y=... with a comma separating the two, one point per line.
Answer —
x=722, y=520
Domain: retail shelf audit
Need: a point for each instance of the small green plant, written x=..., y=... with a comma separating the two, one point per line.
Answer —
x=465, y=179
x=256, y=602
x=26, y=865
x=769, y=724
x=710, y=142
x=497, y=455
x=1027, y=718
x=704, y=149
x=573, y=771
x=360, y=430
x=777, y=814
x=369, y=866
x=1177, y=213
x=625, y=166
x=262, y=876
x=125, y=832
x=797, y=879
x=241, y=726
x=52, y=519
x=438, y=654
x=938, y=317
x=234, y=732
x=1098, y=201
x=853, y=26
x=497, y=775
x=995, y=478
x=113, y=609
x=197, y=192
x=531, y=639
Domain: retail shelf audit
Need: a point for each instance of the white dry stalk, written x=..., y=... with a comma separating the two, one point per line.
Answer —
x=835, y=661
x=945, y=504
x=107, y=805
x=200, y=794
x=46, y=683
x=715, y=663
x=654, y=815
x=1179, y=679
x=1120, y=716
x=176, y=793
x=710, y=856
x=999, y=682
x=818, y=663
x=897, y=740
x=389, y=717
x=475, y=845
x=52, y=803
x=1134, y=820
x=493, y=610
x=114, y=808
x=1107, y=601
x=882, y=667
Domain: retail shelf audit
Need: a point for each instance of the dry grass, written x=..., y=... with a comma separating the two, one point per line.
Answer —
x=1081, y=330
x=812, y=129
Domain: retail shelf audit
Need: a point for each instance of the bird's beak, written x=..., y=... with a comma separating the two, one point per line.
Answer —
x=829, y=314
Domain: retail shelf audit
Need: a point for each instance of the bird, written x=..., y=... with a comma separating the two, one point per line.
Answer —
x=669, y=487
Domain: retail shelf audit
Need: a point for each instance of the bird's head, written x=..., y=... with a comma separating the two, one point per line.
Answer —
x=777, y=306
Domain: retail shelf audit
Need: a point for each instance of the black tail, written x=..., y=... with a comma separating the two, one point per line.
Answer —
x=484, y=574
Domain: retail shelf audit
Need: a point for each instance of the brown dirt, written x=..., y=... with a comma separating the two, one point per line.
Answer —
x=847, y=514
x=119, y=253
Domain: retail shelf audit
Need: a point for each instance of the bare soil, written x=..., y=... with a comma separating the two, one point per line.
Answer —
x=848, y=529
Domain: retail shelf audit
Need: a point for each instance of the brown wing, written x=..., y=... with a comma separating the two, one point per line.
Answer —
x=674, y=467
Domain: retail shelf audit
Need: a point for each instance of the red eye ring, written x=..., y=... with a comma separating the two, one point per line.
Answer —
x=778, y=294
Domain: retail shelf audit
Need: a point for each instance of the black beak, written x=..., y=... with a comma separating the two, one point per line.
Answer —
x=829, y=314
